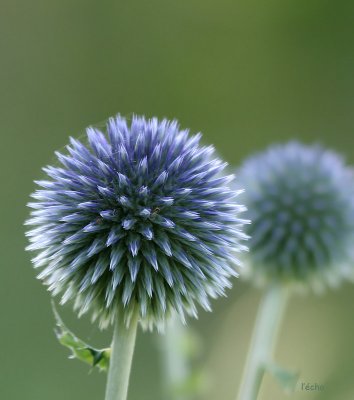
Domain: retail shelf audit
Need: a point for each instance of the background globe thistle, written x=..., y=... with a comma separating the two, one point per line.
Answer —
x=141, y=215
x=301, y=202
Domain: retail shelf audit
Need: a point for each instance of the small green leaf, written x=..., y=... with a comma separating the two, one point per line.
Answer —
x=79, y=349
x=287, y=379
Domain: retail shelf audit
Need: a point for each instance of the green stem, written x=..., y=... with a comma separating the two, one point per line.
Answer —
x=176, y=368
x=264, y=338
x=121, y=357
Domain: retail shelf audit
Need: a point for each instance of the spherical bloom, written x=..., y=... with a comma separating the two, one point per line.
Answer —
x=301, y=202
x=142, y=217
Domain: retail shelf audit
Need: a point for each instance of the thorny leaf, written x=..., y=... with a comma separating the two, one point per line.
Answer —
x=80, y=350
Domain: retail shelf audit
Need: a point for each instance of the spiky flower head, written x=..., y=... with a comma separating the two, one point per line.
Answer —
x=140, y=216
x=301, y=202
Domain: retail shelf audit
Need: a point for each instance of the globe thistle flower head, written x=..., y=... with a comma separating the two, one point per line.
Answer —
x=300, y=200
x=140, y=216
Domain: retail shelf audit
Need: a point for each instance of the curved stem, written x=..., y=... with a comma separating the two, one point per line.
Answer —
x=264, y=338
x=121, y=357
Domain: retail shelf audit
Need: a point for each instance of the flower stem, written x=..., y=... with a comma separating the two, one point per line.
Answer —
x=121, y=358
x=264, y=338
x=175, y=363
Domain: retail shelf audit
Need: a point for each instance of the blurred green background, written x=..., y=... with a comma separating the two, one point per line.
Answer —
x=246, y=74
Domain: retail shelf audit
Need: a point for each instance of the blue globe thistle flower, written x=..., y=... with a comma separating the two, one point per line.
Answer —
x=140, y=216
x=301, y=202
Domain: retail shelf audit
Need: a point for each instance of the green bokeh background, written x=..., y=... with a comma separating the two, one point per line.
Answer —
x=246, y=74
